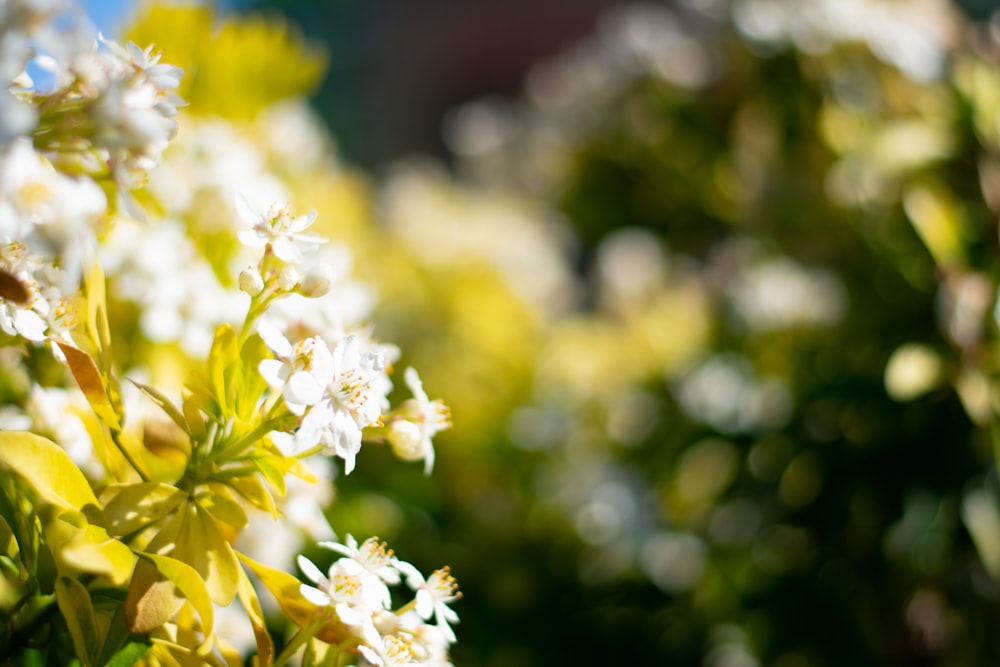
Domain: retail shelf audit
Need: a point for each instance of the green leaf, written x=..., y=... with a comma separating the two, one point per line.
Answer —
x=48, y=469
x=133, y=506
x=120, y=647
x=129, y=654
x=8, y=543
x=78, y=611
x=88, y=377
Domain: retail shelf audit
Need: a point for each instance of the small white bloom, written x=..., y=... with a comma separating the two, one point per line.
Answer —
x=434, y=595
x=390, y=651
x=299, y=369
x=276, y=229
x=343, y=588
x=350, y=400
x=421, y=419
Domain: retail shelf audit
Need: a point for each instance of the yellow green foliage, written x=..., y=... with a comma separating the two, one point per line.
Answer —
x=234, y=67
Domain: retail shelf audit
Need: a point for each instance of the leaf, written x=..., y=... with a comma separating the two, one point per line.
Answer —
x=251, y=488
x=223, y=359
x=78, y=611
x=164, y=404
x=194, y=418
x=285, y=589
x=8, y=542
x=97, y=307
x=193, y=537
x=88, y=377
x=12, y=289
x=80, y=546
x=48, y=469
x=121, y=647
x=133, y=506
x=129, y=654
x=253, y=385
x=937, y=219
x=224, y=509
x=152, y=599
x=251, y=603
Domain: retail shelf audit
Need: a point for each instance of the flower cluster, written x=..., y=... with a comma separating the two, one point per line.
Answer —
x=355, y=589
x=245, y=351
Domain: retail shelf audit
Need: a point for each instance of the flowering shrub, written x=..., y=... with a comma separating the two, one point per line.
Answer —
x=165, y=385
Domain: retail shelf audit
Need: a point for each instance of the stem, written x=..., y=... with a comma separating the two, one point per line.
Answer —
x=232, y=449
x=128, y=457
x=304, y=634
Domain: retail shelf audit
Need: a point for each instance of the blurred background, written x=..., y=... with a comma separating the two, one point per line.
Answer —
x=711, y=288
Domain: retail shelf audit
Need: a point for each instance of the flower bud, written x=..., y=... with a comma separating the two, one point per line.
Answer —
x=251, y=281
x=287, y=279
x=314, y=284
x=404, y=438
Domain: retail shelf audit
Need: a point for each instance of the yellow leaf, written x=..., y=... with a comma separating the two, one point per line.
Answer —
x=194, y=417
x=164, y=403
x=223, y=361
x=224, y=509
x=88, y=377
x=97, y=307
x=48, y=469
x=285, y=589
x=193, y=537
x=132, y=506
x=253, y=384
x=937, y=220
x=78, y=611
x=152, y=599
x=251, y=488
x=79, y=546
x=248, y=597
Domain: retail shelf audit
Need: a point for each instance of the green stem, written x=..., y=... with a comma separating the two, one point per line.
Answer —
x=128, y=457
x=232, y=449
x=304, y=634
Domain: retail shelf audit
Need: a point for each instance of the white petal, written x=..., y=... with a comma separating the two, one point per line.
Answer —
x=314, y=595
x=310, y=570
x=271, y=371
x=246, y=213
x=425, y=604
x=274, y=339
x=303, y=388
x=29, y=325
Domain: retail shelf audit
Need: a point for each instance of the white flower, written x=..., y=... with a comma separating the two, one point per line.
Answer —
x=376, y=559
x=354, y=598
x=433, y=596
x=295, y=370
x=276, y=229
x=421, y=419
x=350, y=400
x=391, y=650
